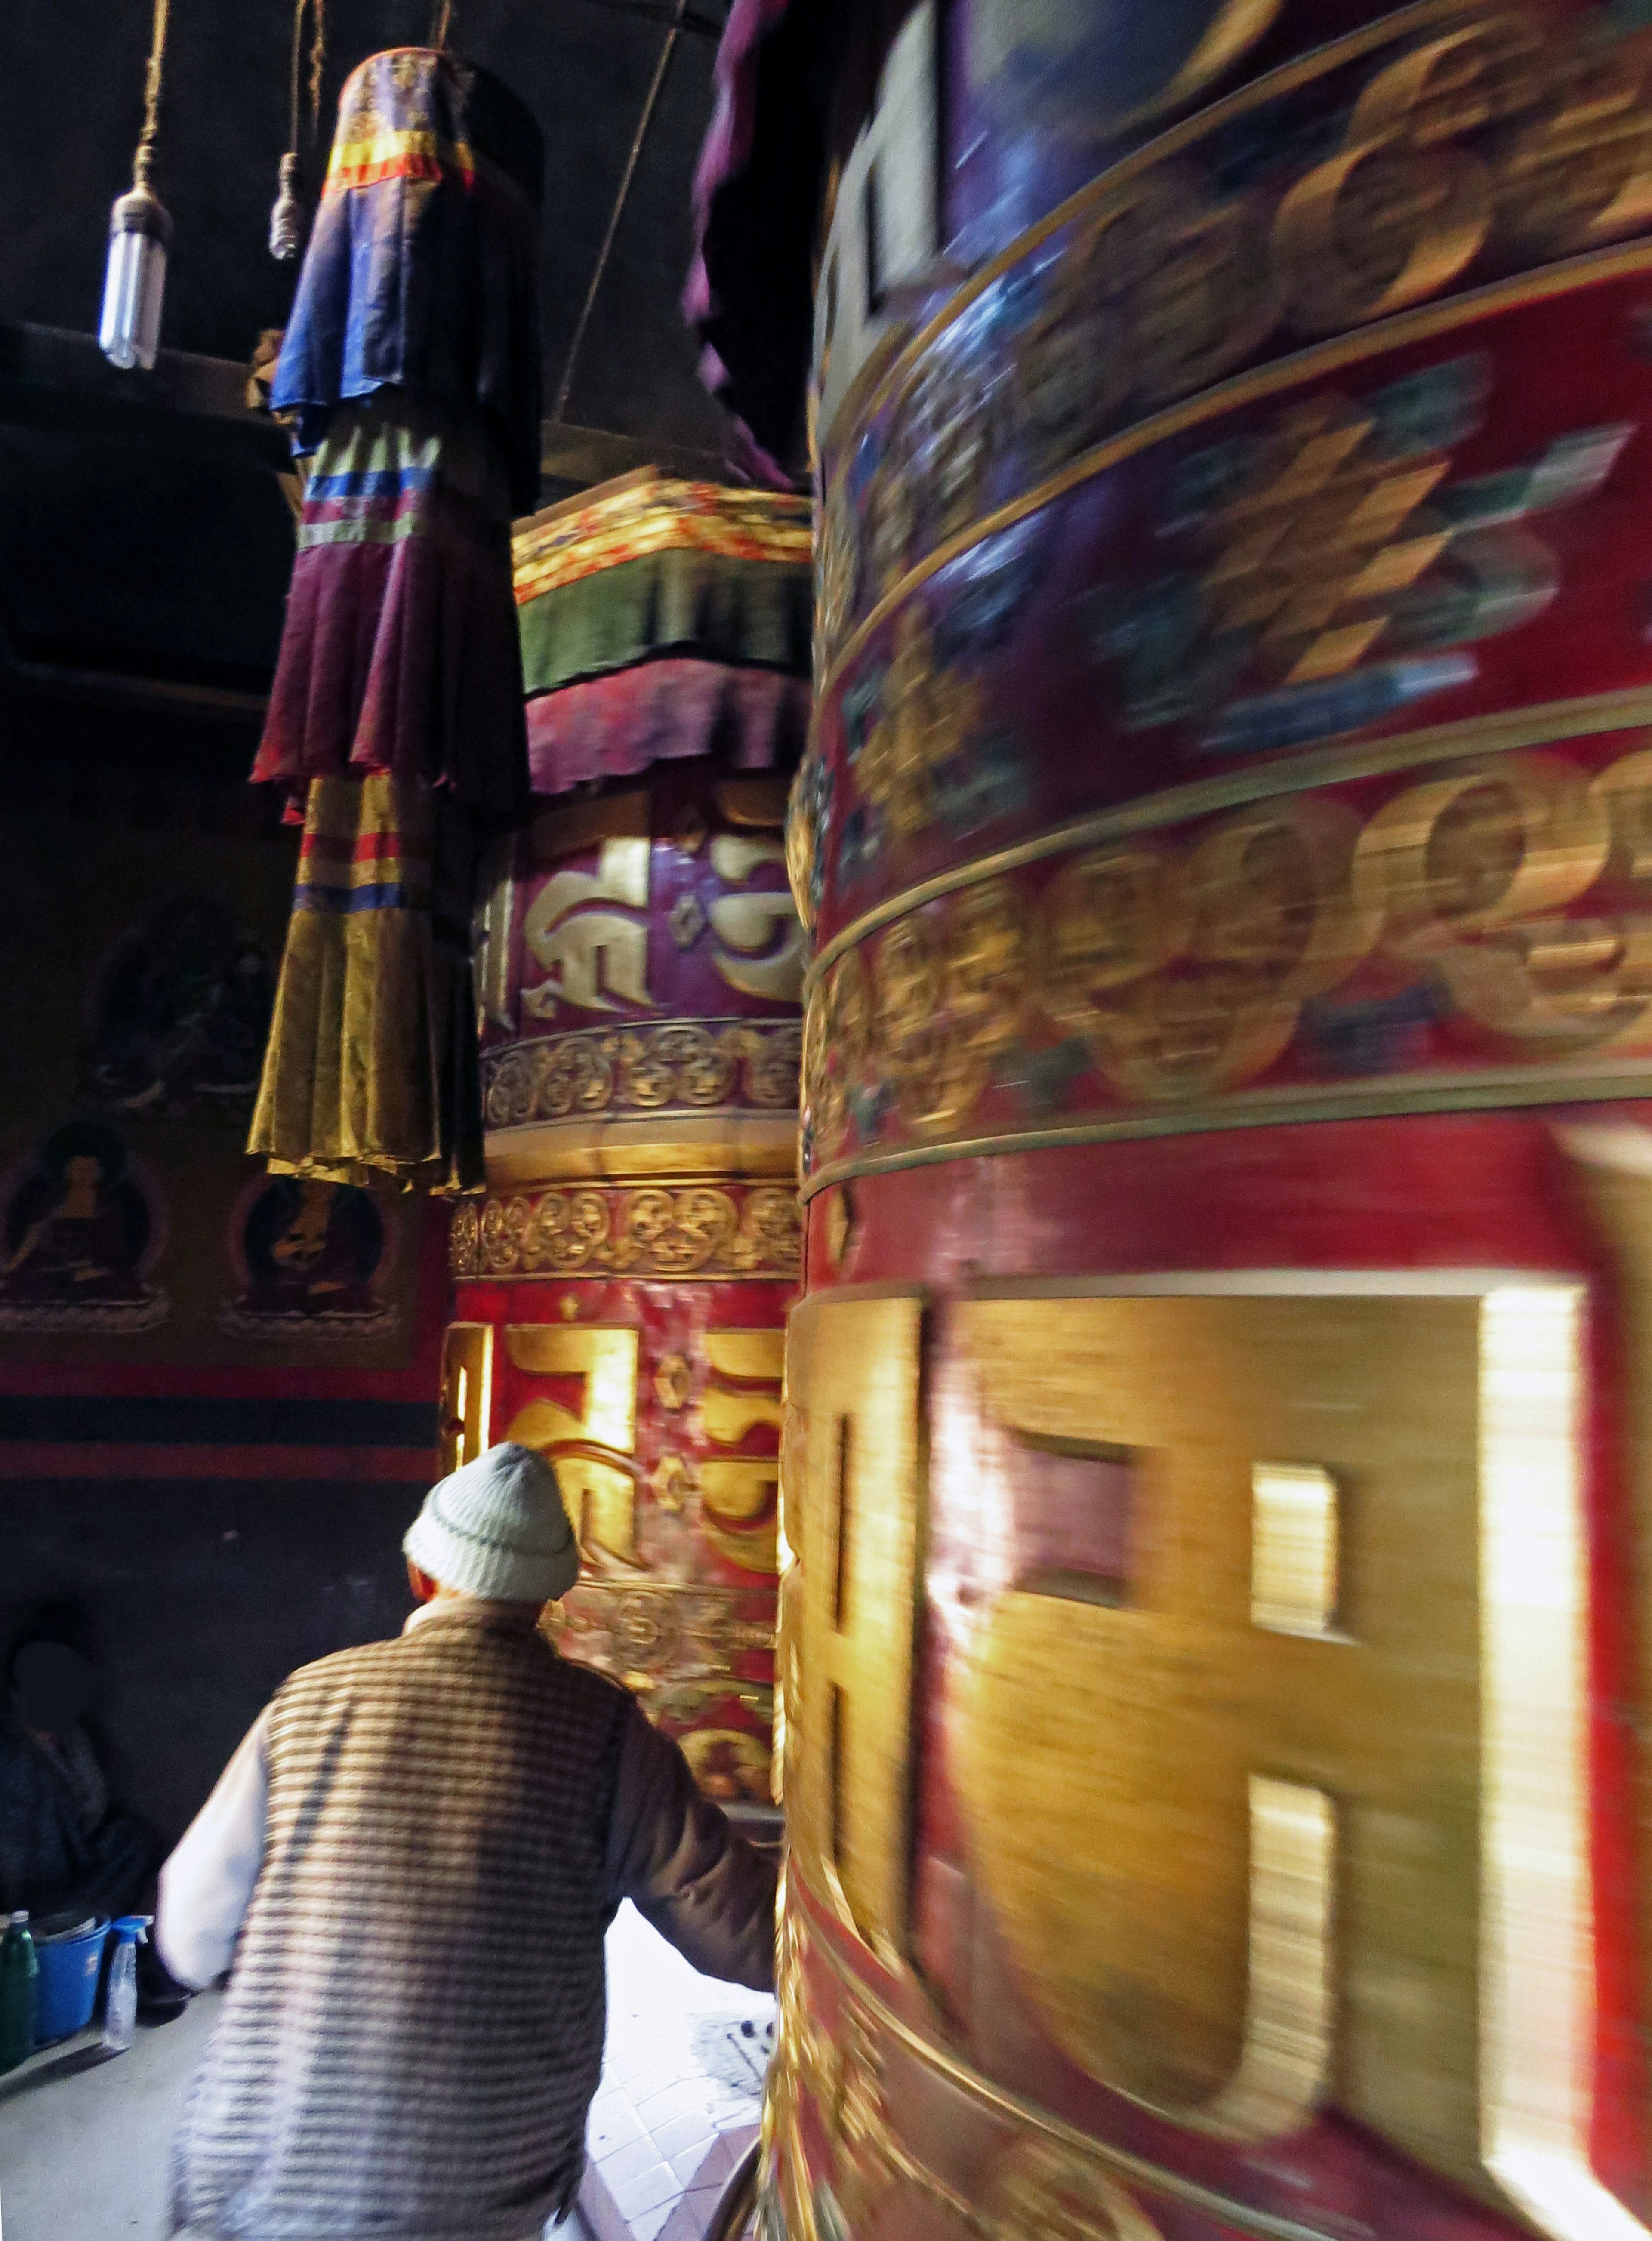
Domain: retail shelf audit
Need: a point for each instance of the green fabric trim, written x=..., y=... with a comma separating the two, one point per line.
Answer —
x=753, y=612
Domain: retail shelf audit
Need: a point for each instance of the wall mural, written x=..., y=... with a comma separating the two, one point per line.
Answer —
x=134, y=1228
x=82, y=1225
x=178, y=1012
x=312, y=1260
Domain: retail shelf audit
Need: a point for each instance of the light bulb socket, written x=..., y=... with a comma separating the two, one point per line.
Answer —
x=288, y=220
x=141, y=210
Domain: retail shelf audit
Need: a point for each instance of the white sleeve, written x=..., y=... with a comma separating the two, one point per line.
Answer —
x=207, y=1885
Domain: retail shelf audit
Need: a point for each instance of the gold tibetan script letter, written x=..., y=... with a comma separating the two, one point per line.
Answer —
x=590, y=1451
x=853, y=1500
x=467, y=1391
x=1302, y=1815
x=737, y=1491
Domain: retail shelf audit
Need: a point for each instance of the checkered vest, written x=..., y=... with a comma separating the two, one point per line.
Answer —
x=413, y=2027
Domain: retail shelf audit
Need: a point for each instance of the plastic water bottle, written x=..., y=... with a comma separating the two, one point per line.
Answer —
x=120, y=2002
x=18, y=1970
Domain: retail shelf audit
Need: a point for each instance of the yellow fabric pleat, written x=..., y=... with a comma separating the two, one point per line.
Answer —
x=366, y=1066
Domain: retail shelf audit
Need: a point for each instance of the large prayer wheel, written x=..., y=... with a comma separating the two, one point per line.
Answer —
x=622, y=1287
x=1217, y=1510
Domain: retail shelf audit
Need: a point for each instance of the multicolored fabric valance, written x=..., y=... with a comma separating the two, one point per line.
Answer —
x=661, y=620
x=652, y=567
x=745, y=612
x=653, y=513
x=423, y=269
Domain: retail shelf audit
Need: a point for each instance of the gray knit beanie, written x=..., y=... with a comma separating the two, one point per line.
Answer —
x=496, y=1527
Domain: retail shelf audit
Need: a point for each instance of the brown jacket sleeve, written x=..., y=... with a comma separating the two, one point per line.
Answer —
x=673, y=1853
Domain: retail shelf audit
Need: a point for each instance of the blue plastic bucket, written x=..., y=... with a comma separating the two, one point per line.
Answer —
x=66, y=1989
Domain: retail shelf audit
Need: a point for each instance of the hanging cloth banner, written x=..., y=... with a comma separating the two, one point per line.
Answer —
x=410, y=366
x=423, y=270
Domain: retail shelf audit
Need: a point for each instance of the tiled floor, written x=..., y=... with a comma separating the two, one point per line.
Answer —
x=682, y=2089
x=83, y=2140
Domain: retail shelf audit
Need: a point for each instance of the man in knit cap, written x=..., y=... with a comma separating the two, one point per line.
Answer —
x=411, y=1861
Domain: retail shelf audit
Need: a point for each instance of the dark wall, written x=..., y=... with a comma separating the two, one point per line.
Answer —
x=194, y=1600
x=200, y=1492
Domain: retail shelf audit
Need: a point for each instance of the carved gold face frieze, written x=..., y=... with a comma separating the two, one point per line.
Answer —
x=1292, y=1815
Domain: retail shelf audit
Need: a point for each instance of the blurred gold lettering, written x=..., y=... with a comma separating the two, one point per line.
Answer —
x=594, y=951
x=738, y=1493
x=589, y=1451
x=1295, y=1719
x=853, y=1502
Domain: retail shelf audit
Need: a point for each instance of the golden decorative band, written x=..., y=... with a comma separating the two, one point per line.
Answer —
x=698, y=1229
x=630, y=1148
x=1479, y=935
x=882, y=379
x=652, y=514
x=687, y=1065
x=1490, y=1089
x=1548, y=723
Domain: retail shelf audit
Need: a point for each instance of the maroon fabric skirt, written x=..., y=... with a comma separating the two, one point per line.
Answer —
x=400, y=653
x=615, y=726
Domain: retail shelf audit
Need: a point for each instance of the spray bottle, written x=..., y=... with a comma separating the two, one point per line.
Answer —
x=120, y=2002
x=18, y=1970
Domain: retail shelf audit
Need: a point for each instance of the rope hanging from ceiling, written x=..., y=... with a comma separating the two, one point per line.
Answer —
x=288, y=220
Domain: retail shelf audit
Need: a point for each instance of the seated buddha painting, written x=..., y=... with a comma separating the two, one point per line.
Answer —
x=82, y=1225
x=311, y=1258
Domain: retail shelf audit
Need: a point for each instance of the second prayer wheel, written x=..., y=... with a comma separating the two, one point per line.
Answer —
x=1215, y=1641
x=622, y=1286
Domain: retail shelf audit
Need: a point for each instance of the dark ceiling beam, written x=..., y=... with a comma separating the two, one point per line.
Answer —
x=52, y=379
x=116, y=689
x=586, y=456
x=664, y=13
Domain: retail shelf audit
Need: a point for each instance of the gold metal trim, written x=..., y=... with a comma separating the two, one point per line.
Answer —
x=872, y=389
x=1542, y=724
x=1537, y=1932
x=1487, y=1090
x=1152, y=2178
x=642, y=1147
x=686, y=1230
x=1278, y=375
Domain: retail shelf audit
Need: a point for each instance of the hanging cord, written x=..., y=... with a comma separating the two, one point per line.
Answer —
x=628, y=175
x=143, y=162
x=288, y=222
x=441, y=24
x=318, y=64
x=298, y=58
